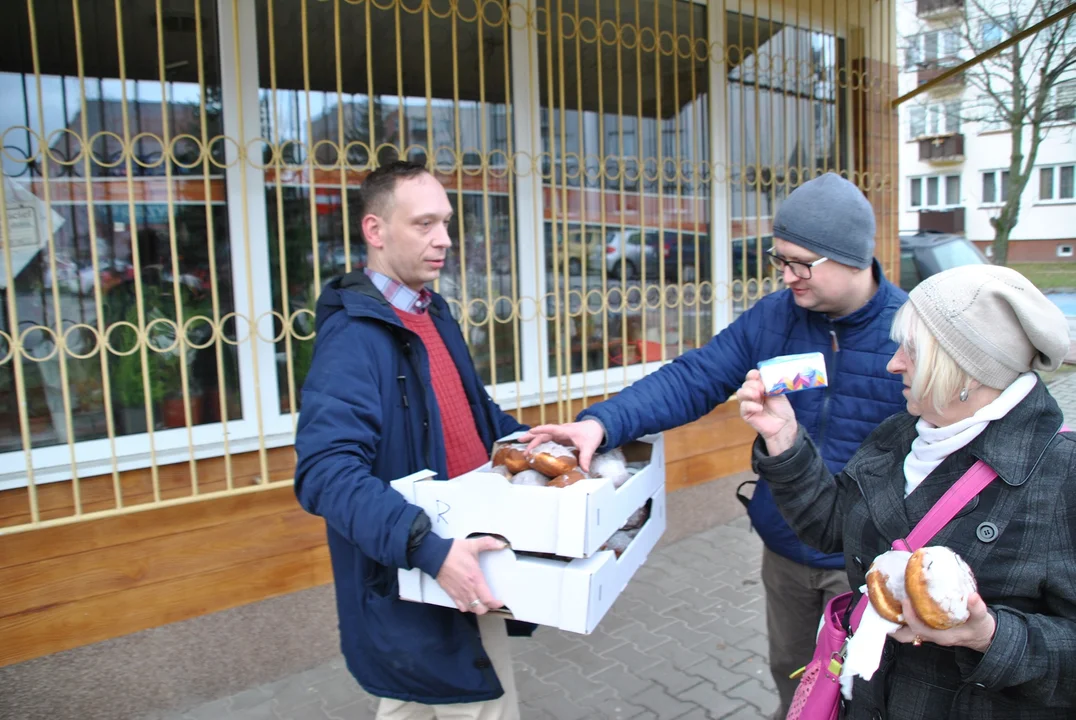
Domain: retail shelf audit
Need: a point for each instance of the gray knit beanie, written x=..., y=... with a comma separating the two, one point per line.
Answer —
x=831, y=217
x=993, y=322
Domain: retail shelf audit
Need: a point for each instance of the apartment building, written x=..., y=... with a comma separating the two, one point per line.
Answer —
x=955, y=152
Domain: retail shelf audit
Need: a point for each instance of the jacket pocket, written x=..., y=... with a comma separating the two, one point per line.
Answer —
x=377, y=578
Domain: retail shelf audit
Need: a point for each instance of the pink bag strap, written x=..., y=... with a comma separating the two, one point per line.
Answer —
x=960, y=494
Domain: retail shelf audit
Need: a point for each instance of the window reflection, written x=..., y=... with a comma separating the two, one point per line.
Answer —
x=115, y=223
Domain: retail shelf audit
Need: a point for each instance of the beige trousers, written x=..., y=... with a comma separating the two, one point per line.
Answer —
x=494, y=635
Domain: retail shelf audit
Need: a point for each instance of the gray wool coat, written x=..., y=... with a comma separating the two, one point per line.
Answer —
x=1018, y=536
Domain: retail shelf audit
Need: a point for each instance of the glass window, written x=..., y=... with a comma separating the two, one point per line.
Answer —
x=116, y=238
x=626, y=188
x=462, y=121
x=917, y=192
x=1046, y=183
x=930, y=46
x=784, y=128
x=917, y=120
x=932, y=192
x=989, y=187
x=952, y=190
x=1004, y=186
x=1065, y=183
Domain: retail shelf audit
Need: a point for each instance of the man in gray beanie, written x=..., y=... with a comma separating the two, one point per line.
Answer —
x=837, y=302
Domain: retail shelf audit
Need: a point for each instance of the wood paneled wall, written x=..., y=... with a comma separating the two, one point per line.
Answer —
x=72, y=585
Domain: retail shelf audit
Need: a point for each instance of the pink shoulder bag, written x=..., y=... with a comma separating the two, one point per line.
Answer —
x=818, y=695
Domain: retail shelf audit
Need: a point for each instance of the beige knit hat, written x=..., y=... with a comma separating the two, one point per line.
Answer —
x=993, y=322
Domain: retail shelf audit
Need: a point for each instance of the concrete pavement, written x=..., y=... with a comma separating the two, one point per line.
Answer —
x=687, y=639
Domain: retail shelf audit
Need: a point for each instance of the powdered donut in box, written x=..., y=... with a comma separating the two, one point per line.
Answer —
x=612, y=466
x=530, y=477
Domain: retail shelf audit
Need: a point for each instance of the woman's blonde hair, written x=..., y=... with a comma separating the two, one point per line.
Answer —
x=937, y=375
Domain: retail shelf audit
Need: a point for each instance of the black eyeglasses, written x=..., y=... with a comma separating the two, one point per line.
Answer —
x=800, y=269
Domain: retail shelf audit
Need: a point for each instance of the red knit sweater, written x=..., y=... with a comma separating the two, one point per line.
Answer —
x=463, y=446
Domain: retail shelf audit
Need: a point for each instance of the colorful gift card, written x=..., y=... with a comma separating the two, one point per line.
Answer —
x=791, y=373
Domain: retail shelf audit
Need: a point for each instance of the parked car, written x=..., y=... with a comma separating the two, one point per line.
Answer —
x=927, y=253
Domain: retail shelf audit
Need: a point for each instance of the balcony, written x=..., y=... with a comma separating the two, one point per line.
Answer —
x=938, y=8
x=942, y=148
x=932, y=69
x=943, y=221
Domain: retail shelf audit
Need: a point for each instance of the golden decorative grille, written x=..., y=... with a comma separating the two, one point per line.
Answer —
x=179, y=179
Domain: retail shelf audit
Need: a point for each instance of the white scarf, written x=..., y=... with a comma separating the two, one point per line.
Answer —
x=933, y=444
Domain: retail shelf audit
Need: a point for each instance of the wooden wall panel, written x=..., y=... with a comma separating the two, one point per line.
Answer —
x=71, y=585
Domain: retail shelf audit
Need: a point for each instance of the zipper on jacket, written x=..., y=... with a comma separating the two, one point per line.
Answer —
x=831, y=364
x=403, y=389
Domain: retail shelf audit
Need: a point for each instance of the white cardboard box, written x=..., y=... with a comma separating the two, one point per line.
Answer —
x=571, y=522
x=570, y=594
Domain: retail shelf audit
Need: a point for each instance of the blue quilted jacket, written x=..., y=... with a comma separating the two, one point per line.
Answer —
x=861, y=393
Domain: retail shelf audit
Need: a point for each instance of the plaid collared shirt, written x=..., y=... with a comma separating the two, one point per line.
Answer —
x=399, y=295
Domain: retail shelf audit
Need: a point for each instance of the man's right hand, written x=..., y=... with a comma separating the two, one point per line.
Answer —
x=461, y=577
x=585, y=436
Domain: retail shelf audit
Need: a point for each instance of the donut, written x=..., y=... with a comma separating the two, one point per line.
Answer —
x=611, y=465
x=553, y=459
x=885, y=584
x=502, y=471
x=618, y=542
x=569, y=478
x=638, y=518
x=530, y=477
x=512, y=457
x=938, y=583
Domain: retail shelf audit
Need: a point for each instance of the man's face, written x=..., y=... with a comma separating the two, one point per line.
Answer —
x=830, y=286
x=412, y=238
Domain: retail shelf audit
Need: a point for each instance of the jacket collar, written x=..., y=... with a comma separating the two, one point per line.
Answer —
x=887, y=294
x=356, y=294
x=1012, y=446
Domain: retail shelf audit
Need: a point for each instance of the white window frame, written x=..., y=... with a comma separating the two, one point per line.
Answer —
x=997, y=173
x=1062, y=91
x=1064, y=251
x=915, y=56
x=938, y=118
x=946, y=204
x=1055, y=185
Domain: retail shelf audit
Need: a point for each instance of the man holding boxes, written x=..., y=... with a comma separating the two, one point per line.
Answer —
x=393, y=390
x=836, y=302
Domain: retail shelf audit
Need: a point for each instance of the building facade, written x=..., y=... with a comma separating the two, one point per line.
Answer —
x=179, y=181
x=955, y=151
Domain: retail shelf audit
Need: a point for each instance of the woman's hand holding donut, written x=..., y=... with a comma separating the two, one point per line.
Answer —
x=976, y=634
x=770, y=415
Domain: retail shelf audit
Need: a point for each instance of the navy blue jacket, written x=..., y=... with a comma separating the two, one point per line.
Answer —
x=369, y=416
x=861, y=392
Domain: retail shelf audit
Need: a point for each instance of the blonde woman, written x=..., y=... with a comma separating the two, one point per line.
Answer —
x=970, y=340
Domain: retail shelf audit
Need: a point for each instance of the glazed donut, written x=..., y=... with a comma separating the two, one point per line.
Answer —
x=512, y=457
x=939, y=583
x=530, y=477
x=553, y=459
x=569, y=478
x=885, y=584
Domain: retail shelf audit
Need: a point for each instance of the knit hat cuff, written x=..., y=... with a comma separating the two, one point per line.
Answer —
x=833, y=253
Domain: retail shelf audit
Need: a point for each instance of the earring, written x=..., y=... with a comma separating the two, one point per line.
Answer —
x=964, y=395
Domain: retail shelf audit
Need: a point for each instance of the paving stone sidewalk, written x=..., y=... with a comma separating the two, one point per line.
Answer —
x=687, y=639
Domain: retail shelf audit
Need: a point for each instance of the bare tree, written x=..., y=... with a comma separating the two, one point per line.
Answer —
x=1016, y=87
